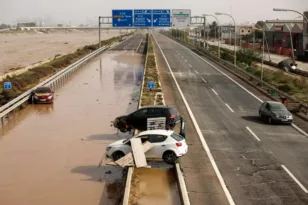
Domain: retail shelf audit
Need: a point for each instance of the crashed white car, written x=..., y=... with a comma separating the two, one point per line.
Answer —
x=168, y=145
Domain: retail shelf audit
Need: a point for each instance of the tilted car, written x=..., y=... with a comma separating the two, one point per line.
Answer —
x=275, y=112
x=168, y=145
x=42, y=95
x=138, y=119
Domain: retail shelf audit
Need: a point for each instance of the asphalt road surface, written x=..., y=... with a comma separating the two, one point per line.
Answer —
x=131, y=43
x=258, y=162
x=49, y=154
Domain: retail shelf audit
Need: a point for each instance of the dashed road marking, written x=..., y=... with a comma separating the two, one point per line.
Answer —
x=214, y=91
x=229, y=107
x=196, y=72
x=201, y=137
x=190, y=65
x=185, y=60
x=203, y=80
x=295, y=179
x=253, y=134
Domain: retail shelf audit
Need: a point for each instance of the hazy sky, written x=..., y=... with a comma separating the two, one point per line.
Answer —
x=78, y=11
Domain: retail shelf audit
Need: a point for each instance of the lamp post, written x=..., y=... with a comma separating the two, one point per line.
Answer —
x=294, y=11
x=217, y=13
x=219, y=31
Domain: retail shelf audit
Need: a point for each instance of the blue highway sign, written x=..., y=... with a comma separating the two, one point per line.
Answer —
x=143, y=18
x=7, y=85
x=122, y=18
x=161, y=18
x=151, y=84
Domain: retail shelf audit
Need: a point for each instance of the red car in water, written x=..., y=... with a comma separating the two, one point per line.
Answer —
x=42, y=95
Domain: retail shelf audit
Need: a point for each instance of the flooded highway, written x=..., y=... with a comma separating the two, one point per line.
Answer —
x=49, y=154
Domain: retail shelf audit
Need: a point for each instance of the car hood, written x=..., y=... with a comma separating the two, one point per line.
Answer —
x=116, y=143
x=282, y=112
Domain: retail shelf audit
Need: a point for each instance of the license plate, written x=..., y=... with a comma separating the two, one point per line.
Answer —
x=43, y=100
x=284, y=120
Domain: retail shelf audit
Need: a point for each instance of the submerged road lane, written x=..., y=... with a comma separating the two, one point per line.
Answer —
x=49, y=154
x=249, y=154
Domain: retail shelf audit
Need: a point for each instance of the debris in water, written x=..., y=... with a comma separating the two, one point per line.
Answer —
x=82, y=139
x=108, y=172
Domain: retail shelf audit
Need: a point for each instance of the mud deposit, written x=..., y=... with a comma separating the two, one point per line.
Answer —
x=154, y=186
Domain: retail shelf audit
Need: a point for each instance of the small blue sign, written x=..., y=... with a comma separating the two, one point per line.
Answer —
x=143, y=18
x=122, y=18
x=161, y=18
x=7, y=85
x=151, y=84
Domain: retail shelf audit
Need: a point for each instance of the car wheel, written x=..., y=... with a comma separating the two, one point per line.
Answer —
x=270, y=120
x=169, y=157
x=260, y=115
x=117, y=155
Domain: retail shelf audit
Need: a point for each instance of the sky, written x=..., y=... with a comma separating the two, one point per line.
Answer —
x=86, y=11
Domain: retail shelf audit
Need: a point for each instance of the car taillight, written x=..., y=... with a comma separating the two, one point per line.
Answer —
x=172, y=116
x=178, y=144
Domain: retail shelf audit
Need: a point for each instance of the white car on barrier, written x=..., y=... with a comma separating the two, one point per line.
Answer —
x=168, y=145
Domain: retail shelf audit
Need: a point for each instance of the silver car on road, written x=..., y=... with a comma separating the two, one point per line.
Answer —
x=275, y=112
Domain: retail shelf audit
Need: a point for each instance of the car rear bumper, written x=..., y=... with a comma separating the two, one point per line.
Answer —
x=283, y=121
x=43, y=101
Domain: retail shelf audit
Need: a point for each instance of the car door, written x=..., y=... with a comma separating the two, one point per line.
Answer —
x=160, y=146
x=145, y=138
x=267, y=110
x=138, y=119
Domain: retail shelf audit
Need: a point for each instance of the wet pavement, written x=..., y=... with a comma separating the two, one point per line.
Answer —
x=49, y=154
x=132, y=43
x=154, y=186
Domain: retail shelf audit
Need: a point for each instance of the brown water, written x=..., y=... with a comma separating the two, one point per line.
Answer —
x=49, y=154
x=154, y=186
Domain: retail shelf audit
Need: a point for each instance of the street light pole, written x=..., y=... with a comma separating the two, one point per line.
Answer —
x=217, y=13
x=219, y=32
x=286, y=10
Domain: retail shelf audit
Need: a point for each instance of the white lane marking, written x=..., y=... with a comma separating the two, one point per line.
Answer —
x=196, y=72
x=214, y=91
x=179, y=53
x=183, y=57
x=229, y=107
x=190, y=65
x=293, y=125
x=253, y=134
x=202, y=139
x=185, y=60
x=295, y=179
x=203, y=79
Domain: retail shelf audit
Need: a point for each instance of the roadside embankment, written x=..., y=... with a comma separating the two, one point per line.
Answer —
x=28, y=79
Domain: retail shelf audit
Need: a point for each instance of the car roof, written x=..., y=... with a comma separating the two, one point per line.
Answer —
x=156, y=132
x=157, y=106
x=274, y=102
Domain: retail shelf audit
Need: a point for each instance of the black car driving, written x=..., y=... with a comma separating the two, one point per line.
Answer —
x=138, y=119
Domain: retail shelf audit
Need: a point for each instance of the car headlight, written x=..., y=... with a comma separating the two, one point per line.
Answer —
x=290, y=117
x=108, y=148
x=49, y=97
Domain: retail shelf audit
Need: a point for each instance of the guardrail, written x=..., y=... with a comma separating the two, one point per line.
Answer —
x=52, y=81
x=294, y=104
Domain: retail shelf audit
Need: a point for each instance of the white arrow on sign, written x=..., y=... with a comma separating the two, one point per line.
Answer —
x=149, y=20
x=155, y=20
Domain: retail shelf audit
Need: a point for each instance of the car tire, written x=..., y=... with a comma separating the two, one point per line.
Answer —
x=261, y=116
x=117, y=155
x=169, y=157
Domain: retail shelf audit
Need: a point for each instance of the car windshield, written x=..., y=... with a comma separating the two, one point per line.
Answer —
x=278, y=107
x=177, y=137
x=126, y=140
x=43, y=90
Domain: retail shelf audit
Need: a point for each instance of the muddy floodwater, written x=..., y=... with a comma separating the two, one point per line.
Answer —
x=49, y=154
x=154, y=186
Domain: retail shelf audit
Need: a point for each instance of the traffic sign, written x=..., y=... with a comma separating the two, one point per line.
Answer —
x=161, y=18
x=7, y=85
x=151, y=84
x=143, y=18
x=181, y=17
x=122, y=18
